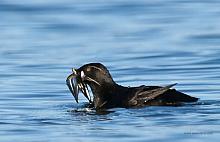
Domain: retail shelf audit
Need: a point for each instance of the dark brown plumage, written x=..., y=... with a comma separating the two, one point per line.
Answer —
x=108, y=94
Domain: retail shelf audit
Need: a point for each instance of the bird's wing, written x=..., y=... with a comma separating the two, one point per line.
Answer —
x=148, y=93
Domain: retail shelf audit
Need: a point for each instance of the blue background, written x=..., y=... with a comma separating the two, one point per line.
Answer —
x=141, y=42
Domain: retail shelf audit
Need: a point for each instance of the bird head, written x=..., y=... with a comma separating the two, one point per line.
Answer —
x=93, y=74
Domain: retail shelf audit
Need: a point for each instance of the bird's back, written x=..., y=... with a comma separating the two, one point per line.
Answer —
x=156, y=95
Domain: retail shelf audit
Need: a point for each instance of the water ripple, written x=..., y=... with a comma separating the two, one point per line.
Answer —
x=141, y=42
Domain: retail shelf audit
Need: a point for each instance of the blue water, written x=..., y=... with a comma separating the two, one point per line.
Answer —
x=141, y=42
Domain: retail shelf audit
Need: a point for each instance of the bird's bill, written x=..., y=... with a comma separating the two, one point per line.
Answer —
x=75, y=83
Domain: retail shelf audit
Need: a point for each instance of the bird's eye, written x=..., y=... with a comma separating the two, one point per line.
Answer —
x=88, y=69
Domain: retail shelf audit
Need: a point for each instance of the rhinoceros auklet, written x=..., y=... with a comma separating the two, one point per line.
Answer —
x=108, y=94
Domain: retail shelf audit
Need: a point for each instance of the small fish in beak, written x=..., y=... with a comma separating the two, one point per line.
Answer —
x=72, y=84
x=75, y=83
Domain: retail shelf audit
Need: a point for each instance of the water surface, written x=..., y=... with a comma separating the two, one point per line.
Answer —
x=141, y=42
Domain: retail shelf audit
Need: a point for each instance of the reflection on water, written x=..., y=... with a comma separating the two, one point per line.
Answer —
x=141, y=42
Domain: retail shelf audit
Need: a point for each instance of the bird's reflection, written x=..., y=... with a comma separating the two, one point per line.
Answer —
x=86, y=114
